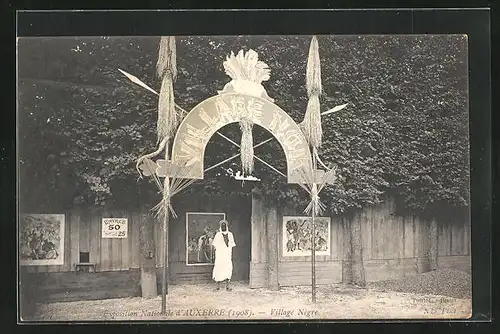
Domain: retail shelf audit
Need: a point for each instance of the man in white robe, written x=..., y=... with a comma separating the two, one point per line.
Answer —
x=223, y=243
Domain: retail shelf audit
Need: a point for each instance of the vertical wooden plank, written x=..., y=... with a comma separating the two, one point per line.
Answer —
x=467, y=237
x=272, y=247
x=334, y=230
x=456, y=238
x=346, y=238
x=112, y=251
x=126, y=252
x=366, y=231
x=67, y=243
x=388, y=229
x=398, y=244
x=424, y=237
x=158, y=242
x=95, y=238
x=181, y=250
x=416, y=237
x=377, y=236
x=444, y=236
x=105, y=246
x=111, y=241
x=75, y=238
x=340, y=239
x=134, y=240
x=177, y=240
x=84, y=240
x=256, y=226
x=408, y=234
x=116, y=247
x=465, y=240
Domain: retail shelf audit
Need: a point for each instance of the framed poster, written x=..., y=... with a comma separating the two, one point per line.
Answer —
x=114, y=227
x=297, y=236
x=200, y=231
x=41, y=239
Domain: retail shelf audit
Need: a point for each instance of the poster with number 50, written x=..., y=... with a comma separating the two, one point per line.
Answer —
x=114, y=227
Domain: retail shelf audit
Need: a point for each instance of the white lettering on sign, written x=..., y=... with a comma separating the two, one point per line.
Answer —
x=226, y=114
x=211, y=122
x=206, y=119
x=255, y=109
x=114, y=227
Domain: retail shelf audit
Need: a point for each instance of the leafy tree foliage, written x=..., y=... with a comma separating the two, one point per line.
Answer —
x=404, y=132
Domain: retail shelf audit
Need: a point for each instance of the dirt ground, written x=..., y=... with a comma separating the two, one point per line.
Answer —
x=201, y=302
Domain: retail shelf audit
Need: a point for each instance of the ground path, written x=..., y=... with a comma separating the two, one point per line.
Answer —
x=201, y=302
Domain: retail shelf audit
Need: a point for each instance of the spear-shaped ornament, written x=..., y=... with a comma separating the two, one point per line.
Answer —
x=167, y=123
x=311, y=126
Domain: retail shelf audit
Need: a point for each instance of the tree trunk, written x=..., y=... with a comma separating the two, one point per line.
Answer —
x=433, y=244
x=149, y=287
x=272, y=246
x=346, y=258
x=356, y=254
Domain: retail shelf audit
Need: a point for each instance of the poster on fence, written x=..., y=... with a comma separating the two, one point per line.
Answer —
x=114, y=227
x=42, y=239
x=200, y=231
x=297, y=236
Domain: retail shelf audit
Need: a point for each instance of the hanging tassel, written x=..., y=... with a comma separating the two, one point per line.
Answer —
x=246, y=147
x=167, y=115
x=167, y=70
x=311, y=125
x=313, y=72
x=167, y=61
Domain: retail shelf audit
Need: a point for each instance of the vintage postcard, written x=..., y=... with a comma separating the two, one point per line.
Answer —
x=244, y=177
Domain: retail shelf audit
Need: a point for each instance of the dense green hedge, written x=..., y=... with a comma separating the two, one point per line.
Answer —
x=403, y=134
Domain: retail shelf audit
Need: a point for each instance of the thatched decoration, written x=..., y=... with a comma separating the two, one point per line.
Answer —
x=311, y=125
x=246, y=147
x=167, y=114
x=167, y=70
x=167, y=59
x=313, y=72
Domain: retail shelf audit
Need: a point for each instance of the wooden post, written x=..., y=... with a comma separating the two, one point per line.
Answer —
x=313, y=236
x=164, y=283
x=147, y=260
x=272, y=247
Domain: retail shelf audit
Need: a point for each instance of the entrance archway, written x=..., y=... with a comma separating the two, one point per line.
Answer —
x=208, y=117
x=204, y=120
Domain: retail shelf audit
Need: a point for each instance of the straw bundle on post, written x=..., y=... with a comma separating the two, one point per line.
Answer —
x=167, y=123
x=246, y=146
x=311, y=124
x=167, y=70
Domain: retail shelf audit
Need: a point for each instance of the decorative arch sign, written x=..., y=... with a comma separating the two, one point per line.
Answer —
x=204, y=120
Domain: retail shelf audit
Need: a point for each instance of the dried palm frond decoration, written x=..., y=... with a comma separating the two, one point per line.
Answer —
x=177, y=182
x=169, y=117
x=246, y=147
x=166, y=68
x=311, y=125
x=314, y=184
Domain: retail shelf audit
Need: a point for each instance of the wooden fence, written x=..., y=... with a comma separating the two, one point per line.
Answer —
x=393, y=247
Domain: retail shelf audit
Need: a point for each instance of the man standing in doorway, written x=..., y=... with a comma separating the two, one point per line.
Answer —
x=223, y=244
